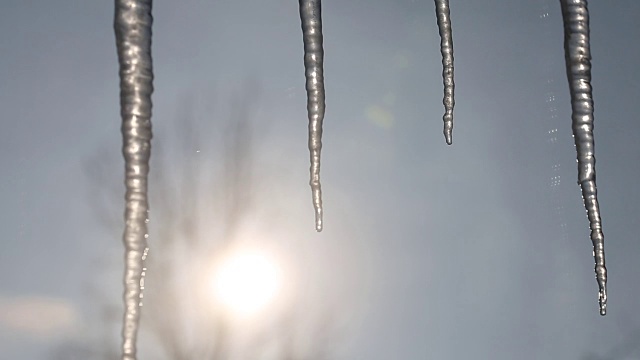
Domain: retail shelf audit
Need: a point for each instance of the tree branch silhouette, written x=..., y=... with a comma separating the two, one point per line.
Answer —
x=199, y=201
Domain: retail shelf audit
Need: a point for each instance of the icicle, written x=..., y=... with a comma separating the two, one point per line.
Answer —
x=575, y=16
x=132, y=25
x=446, y=48
x=310, y=15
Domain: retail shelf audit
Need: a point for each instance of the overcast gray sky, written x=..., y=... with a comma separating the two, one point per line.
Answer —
x=431, y=252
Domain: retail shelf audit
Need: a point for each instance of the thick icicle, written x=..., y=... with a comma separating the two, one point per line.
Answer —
x=575, y=16
x=446, y=48
x=310, y=15
x=132, y=26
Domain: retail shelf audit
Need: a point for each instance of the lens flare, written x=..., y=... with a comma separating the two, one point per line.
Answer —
x=246, y=282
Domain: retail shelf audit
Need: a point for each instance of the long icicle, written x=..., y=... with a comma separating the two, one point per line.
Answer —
x=132, y=25
x=575, y=16
x=446, y=48
x=310, y=15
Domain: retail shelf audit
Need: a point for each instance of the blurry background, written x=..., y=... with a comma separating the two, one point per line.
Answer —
x=476, y=250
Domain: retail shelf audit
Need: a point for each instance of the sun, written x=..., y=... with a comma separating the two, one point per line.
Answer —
x=245, y=282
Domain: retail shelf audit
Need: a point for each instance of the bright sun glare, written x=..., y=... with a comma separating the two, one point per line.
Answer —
x=245, y=282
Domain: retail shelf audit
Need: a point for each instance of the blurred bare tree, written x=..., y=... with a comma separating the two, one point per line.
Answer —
x=200, y=196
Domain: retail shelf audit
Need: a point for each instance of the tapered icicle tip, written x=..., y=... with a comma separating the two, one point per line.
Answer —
x=603, y=302
x=316, y=189
x=448, y=136
x=310, y=16
x=575, y=16
x=316, y=192
x=318, y=220
x=601, y=277
x=132, y=26
x=446, y=49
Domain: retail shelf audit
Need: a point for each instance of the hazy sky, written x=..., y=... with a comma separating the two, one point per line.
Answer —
x=428, y=252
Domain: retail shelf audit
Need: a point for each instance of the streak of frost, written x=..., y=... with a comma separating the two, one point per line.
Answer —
x=310, y=16
x=446, y=48
x=575, y=15
x=132, y=25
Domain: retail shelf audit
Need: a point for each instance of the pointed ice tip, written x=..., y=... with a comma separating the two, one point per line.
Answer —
x=603, y=302
x=318, y=222
x=448, y=137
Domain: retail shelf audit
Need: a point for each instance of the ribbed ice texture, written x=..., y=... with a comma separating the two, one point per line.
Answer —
x=133, y=39
x=575, y=16
x=446, y=48
x=310, y=15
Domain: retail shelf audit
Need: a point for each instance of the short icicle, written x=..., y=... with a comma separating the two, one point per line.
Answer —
x=132, y=25
x=310, y=15
x=575, y=15
x=446, y=48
